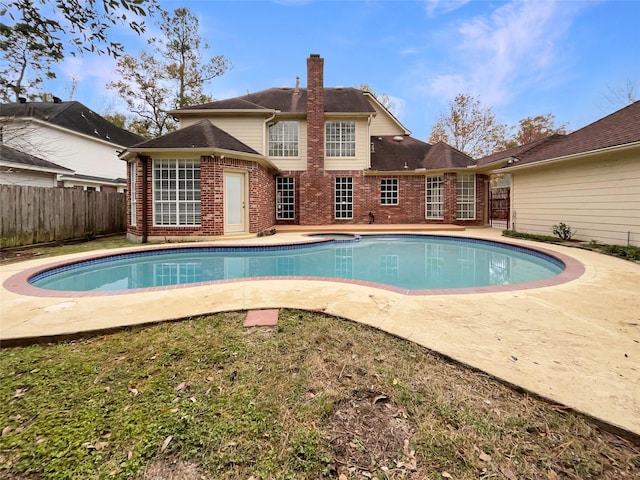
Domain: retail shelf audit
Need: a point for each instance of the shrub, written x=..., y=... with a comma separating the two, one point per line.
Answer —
x=563, y=231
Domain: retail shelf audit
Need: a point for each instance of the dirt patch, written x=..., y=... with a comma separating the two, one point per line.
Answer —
x=166, y=469
x=369, y=433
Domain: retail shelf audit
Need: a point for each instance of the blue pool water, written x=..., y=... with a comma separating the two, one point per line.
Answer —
x=403, y=261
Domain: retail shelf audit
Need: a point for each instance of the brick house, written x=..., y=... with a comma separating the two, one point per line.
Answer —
x=303, y=156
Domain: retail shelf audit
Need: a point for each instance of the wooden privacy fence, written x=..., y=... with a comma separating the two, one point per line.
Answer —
x=37, y=214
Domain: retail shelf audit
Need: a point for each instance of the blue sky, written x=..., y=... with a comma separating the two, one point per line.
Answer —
x=523, y=58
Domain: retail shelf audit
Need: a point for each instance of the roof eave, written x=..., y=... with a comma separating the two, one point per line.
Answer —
x=614, y=148
x=131, y=154
x=226, y=111
x=37, y=168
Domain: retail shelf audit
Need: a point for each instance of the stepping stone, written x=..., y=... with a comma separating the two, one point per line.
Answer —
x=262, y=318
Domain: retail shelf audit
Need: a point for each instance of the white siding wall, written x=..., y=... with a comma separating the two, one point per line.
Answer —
x=27, y=178
x=384, y=124
x=249, y=130
x=599, y=196
x=83, y=155
x=363, y=151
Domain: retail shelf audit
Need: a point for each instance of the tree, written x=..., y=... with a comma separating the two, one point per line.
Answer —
x=172, y=76
x=535, y=128
x=469, y=127
x=41, y=32
x=383, y=98
x=621, y=96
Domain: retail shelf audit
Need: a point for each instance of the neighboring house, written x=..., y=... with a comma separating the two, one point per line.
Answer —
x=72, y=136
x=303, y=156
x=589, y=180
x=19, y=168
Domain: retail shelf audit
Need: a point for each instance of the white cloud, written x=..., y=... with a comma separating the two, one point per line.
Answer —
x=440, y=7
x=515, y=46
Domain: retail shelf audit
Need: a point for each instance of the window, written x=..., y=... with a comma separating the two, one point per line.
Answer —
x=434, y=201
x=344, y=197
x=132, y=192
x=285, y=198
x=388, y=191
x=176, y=192
x=466, y=197
x=340, y=139
x=283, y=139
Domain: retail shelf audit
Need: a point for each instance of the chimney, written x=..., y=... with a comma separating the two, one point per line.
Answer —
x=315, y=113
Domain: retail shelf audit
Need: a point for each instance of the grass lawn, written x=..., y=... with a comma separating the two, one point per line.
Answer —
x=314, y=397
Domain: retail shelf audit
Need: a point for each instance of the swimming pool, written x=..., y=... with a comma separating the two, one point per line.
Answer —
x=412, y=263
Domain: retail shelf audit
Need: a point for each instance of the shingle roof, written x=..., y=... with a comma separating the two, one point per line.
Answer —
x=12, y=155
x=619, y=128
x=73, y=116
x=389, y=154
x=290, y=100
x=202, y=134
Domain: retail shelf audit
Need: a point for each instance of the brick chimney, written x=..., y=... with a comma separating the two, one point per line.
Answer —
x=315, y=113
x=316, y=184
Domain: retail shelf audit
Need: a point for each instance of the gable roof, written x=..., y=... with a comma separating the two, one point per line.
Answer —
x=291, y=100
x=29, y=162
x=73, y=116
x=619, y=128
x=392, y=153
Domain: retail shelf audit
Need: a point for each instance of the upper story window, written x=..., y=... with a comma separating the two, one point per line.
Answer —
x=283, y=139
x=340, y=139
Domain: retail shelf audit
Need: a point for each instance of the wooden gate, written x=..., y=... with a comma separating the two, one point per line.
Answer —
x=499, y=205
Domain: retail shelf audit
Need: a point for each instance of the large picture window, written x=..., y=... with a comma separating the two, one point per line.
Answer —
x=176, y=192
x=283, y=139
x=285, y=198
x=388, y=191
x=434, y=197
x=340, y=139
x=466, y=197
x=344, y=197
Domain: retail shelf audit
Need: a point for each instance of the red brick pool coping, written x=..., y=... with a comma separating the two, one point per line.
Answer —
x=19, y=283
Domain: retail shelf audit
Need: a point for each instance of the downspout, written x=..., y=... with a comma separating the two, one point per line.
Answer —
x=265, y=138
x=145, y=199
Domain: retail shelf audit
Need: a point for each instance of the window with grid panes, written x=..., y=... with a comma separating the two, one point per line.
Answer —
x=388, y=191
x=285, y=198
x=343, y=197
x=466, y=197
x=176, y=192
x=283, y=139
x=340, y=139
x=434, y=197
x=132, y=193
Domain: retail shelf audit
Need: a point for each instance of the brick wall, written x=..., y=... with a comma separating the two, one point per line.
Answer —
x=318, y=210
x=261, y=205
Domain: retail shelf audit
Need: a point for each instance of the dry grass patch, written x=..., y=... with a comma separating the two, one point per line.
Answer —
x=315, y=397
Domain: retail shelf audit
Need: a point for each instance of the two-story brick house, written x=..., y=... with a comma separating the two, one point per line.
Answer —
x=304, y=156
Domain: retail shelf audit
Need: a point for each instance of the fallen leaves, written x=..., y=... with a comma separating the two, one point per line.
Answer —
x=166, y=443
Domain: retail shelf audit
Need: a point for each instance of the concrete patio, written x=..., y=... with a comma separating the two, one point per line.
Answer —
x=576, y=343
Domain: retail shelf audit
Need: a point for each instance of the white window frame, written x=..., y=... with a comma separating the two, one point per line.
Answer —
x=285, y=198
x=284, y=139
x=343, y=198
x=466, y=196
x=389, y=191
x=176, y=192
x=434, y=197
x=132, y=192
x=340, y=138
